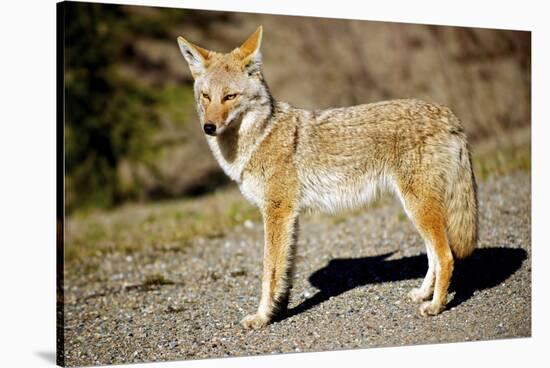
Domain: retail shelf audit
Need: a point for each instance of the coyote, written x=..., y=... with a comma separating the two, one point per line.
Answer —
x=287, y=159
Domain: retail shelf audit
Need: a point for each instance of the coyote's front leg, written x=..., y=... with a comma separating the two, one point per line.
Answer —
x=280, y=231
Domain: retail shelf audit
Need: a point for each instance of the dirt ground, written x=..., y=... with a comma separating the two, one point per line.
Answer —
x=352, y=276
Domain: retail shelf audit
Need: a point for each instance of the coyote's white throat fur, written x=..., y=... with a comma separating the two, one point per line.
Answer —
x=287, y=159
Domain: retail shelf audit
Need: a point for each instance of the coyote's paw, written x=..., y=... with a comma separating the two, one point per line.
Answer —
x=430, y=308
x=418, y=295
x=254, y=321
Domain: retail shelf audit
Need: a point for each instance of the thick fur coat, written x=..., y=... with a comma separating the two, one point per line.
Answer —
x=287, y=159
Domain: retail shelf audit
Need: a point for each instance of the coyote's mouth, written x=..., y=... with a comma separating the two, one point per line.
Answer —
x=214, y=130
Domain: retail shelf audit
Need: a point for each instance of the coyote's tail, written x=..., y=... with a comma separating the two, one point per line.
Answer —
x=461, y=204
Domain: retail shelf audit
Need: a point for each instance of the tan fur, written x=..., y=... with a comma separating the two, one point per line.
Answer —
x=287, y=159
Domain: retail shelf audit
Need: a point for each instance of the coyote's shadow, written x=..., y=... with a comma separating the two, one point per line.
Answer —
x=484, y=269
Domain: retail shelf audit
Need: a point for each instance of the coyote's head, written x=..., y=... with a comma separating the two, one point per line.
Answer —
x=227, y=86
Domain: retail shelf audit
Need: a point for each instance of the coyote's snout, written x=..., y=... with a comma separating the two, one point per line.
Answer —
x=287, y=159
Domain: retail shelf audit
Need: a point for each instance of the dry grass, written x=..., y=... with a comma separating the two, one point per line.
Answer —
x=500, y=155
x=168, y=225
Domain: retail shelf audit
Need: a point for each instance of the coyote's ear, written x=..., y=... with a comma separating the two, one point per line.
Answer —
x=249, y=52
x=196, y=56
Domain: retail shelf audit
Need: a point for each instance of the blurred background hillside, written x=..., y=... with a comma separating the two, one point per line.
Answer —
x=131, y=131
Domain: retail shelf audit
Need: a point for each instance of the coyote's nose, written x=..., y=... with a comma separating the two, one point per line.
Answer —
x=210, y=129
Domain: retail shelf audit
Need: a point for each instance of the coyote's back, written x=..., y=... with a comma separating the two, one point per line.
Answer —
x=347, y=156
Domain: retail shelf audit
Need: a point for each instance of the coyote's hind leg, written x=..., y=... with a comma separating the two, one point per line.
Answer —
x=428, y=216
x=426, y=290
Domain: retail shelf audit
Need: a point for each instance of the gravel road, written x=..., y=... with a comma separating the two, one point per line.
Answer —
x=352, y=276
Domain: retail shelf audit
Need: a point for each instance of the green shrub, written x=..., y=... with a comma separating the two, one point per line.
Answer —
x=110, y=117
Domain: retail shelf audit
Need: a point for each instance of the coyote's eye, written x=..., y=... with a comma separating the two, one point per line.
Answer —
x=205, y=96
x=229, y=97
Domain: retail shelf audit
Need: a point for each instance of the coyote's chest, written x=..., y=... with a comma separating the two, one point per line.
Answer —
x=232, y=160
x=253, y=189
x=234, y=166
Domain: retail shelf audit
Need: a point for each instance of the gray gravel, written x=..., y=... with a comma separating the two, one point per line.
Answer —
x=352, y=277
